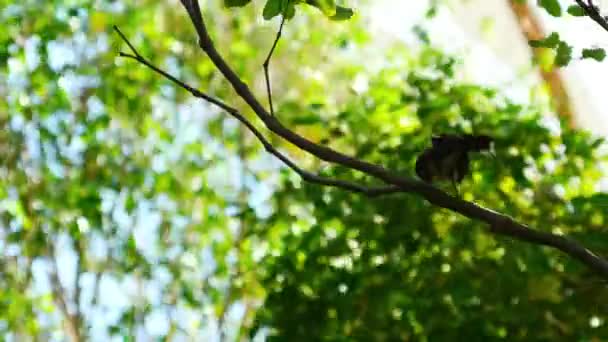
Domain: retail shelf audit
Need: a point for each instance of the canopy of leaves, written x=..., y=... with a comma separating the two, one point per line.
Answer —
x=129, y=209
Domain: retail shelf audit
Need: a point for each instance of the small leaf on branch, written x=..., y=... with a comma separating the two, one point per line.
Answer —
x=576, y=10
x=550, y=41
x=564, y=54
x=596, y=53
x=551, y=6
x=328, y=7
x=342, y=13
x=272, y=9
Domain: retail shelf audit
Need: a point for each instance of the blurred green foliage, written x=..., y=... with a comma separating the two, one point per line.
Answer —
x=129, y=209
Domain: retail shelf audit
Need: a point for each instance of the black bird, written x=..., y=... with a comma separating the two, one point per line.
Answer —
x=448, y=159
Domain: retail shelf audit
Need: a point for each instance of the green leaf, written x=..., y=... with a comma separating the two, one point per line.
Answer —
x=342, y=13
x=328, y=7
x=564, y=54
x=551, y=6
x=272, y=9
x=598, y=142
x=596, y=53
x=236, y=3
x=598, y=200
x=189, y=295
x=421, y=34
x=307, y=120
x=290, y=12
x=576, y=10
x=550, y=41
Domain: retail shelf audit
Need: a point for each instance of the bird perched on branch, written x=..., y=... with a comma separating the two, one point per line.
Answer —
x=448, y=158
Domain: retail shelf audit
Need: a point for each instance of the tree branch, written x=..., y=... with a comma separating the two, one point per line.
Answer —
x=593, y=12
x=499, y=224
x=306, y=175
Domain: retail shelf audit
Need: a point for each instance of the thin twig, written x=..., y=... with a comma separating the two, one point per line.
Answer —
x=136, y=56
x=306, y=175
x=267, y=61
x=124, y=38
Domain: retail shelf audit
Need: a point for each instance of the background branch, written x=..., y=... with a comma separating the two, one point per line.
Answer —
x=71, y=320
